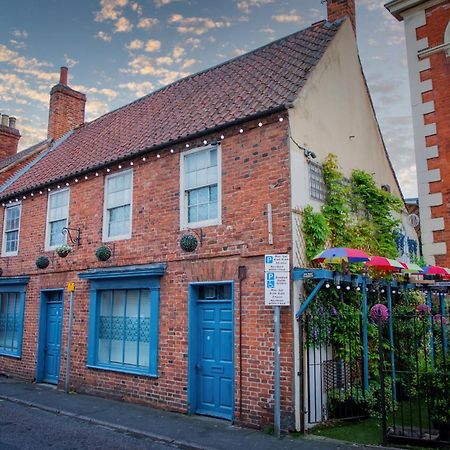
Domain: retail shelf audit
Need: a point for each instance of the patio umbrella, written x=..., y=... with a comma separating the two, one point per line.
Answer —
x=411, y=268
x=435, y=270
x=338, y=255
x=382, y=263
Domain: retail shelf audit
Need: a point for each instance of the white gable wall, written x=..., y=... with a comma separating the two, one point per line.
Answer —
x=333, y=114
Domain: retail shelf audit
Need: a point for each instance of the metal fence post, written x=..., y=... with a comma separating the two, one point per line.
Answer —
x=382, y=386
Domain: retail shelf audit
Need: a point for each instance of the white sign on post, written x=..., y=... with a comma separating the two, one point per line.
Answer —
x=276, y=280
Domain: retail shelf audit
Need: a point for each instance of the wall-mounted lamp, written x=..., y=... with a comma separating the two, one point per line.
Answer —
x=309, y=154
x=77, y=240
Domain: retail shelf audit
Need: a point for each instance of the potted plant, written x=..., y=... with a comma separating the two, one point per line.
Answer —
x=42, y=262
x=103, y=253
x=188, y=242
x=63, y=250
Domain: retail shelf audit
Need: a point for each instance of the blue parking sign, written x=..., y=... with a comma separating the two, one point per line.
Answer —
x=269, y=259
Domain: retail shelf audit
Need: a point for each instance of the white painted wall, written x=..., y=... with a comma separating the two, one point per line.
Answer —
x=333, y=114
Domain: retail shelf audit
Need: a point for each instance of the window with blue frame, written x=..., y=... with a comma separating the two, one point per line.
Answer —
x=12, y=300
x=124, y=318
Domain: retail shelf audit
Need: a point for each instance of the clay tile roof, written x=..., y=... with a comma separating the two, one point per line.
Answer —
x=257, y=83
x=23, y=154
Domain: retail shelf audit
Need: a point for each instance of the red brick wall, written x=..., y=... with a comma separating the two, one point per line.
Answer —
x=66, y=110
x=9, y=140
x=255, y=171
x=338, y=9
x=437, y=19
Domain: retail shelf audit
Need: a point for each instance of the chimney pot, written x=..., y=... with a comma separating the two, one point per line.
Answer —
x=12, y=122
x=5, y=118
x=64, y=75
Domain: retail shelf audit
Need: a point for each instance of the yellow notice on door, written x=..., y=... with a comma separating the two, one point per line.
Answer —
x=70, y=286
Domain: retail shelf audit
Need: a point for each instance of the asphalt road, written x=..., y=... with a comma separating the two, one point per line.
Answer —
x=26, y=428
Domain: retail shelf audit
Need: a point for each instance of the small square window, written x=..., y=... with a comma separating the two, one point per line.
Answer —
x=317, y=186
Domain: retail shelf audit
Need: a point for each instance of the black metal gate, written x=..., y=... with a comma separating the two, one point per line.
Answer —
x=331, y=375
x=415, y=379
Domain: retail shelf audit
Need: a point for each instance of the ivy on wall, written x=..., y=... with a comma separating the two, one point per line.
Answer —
x=356, y=213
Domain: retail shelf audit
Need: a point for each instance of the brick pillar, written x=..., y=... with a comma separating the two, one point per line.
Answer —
x=338, y=9
x=67, y=107
x=9, y=136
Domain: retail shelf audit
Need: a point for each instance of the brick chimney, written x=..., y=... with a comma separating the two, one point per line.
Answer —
x=66, y=107
x=9, y=136
x=338, y=9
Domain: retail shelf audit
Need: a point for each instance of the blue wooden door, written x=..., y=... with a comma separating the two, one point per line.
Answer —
x=52, y=345
x=214, y=367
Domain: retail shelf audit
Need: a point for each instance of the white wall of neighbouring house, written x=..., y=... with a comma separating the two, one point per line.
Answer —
x=333, y=113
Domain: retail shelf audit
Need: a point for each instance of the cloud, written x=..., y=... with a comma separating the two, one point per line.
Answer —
x=239, y=51
x=196, y=25
x=110, y=93
x=152, y=45
x=137, y=8
x=19, y=33
x=110, y=10
x=292, y=17
x=189, y=63
x=195, y=42
x=70, y=62
x=246, y=5
x=136, y=44
x=95, y=108
x=372, y=42
x=159, y=3
x=167, y=60
x=178, y=52
x=147, y=22
x=17, y=44
x=267, y=30
x=123, y=25
x=315, y=13
x=12, y=86
x=103, y=36
x=371, y=5
x=139, y=89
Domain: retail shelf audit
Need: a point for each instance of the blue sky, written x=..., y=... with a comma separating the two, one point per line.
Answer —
x=119, y=50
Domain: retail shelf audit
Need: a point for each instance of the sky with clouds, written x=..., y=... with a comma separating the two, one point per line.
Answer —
x=119, y=50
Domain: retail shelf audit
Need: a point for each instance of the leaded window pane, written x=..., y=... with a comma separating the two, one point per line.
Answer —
x=9, y=322
x=124, y=328
x=317, y=186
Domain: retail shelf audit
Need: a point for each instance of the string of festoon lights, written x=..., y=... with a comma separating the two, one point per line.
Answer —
x=120, y=166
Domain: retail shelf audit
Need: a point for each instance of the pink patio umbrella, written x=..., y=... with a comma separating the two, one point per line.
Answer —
x=436, y=270
x=382, y=263
x=337, y=255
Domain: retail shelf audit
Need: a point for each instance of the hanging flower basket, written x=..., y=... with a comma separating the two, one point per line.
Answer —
x=103, y=253
x=379, y=312
x=63, y=250
x=42, y=262
x=188, y=243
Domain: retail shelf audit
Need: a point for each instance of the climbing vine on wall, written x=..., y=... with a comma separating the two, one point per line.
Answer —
x=356, y=213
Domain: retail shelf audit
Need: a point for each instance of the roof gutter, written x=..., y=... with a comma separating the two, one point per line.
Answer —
x=181, y=140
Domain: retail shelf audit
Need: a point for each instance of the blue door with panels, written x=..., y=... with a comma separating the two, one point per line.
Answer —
x=51, y=329
x=214, y=366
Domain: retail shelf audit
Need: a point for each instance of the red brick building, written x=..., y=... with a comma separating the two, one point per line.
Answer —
x=427, y=30
x=217, y=159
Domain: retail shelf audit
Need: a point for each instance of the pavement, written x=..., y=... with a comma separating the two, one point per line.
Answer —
x=190, y=432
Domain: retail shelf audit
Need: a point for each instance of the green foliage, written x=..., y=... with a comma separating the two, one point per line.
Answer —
x=356, y=213
x=379, y=206
x=316, y=231
x=336, y=208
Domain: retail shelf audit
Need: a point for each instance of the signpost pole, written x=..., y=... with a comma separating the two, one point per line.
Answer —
x=69, y=340
x=276, y=318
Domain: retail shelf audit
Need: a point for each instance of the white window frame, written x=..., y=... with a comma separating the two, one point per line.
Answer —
x=106, y=238
x=47, y=225
x=184, y=221
x=4, y=252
